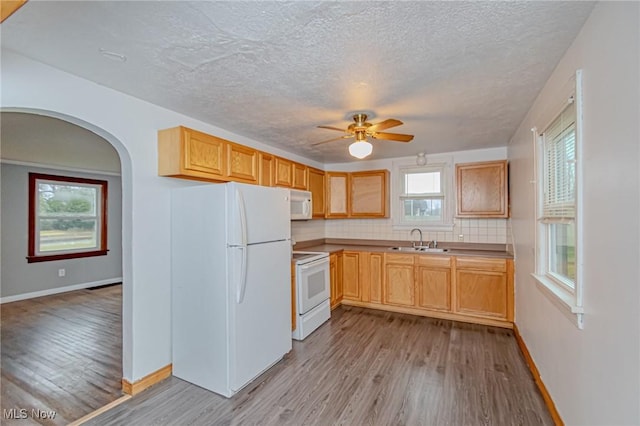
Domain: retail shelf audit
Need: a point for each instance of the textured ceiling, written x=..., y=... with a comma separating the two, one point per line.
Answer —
x=460, y=75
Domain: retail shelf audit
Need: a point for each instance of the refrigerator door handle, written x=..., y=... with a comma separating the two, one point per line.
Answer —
x=242, y=285
x=243, y=217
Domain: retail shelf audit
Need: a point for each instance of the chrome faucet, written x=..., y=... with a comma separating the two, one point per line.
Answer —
x=411, y=235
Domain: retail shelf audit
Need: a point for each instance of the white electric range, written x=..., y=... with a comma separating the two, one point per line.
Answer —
x=312, y=292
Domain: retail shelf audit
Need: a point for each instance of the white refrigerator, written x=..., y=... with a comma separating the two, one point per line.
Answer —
x=231, y=283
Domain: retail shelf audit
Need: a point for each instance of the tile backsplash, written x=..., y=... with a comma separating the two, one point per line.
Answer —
x=472, y=230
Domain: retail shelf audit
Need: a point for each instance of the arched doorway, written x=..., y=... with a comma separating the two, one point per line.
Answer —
x=125, y=228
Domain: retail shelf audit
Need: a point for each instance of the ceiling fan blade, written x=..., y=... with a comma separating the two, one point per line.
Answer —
x=397, y=137
x=332, y=140
x=332, y=128
x=386, y=124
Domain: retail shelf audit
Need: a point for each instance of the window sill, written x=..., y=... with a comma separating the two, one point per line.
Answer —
x=565, y=301
x=47, y=258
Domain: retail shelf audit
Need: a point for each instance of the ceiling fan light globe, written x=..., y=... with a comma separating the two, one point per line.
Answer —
x=360, y=149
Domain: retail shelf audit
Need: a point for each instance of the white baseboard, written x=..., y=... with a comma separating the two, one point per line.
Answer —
x=57, y=290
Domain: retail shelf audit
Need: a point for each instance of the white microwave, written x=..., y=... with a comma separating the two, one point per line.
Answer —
x=301, y=205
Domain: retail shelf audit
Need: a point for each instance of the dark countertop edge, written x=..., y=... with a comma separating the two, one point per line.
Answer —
x=333, y=245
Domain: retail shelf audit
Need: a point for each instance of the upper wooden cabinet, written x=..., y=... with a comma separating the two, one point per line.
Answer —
x=316, y=186
x=267, y=169
x=242, y=163
x=357, y=194
x=337, y=194
x=482, y=189
x=283, y=172
x=369, y=195
x=190, y=154
x=299, y=176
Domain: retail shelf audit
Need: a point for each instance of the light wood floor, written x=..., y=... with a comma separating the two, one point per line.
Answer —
x=62, y=353
x=365, y=367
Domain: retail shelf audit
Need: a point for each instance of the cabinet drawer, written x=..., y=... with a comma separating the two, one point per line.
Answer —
x=482, y=263
x=434, y=261
x=405, y=259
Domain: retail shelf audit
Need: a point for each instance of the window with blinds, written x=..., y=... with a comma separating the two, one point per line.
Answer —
x=560, y=167
x=558, y=210
x=558, y=156
x=422, y=195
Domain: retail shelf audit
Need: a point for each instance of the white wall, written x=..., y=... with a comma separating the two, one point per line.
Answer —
x=496, y=231
x=593, y=375
x=18, y=276
x=131, y=125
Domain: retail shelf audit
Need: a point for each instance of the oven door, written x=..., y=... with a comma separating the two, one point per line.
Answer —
x=312, y=281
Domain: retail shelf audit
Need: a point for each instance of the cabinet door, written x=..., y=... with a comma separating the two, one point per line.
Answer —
x=316, y=186
x=337, y=194
x=333, y=279
x=339, y=278
x=284, y=173
x=369, y=195
x=267, y=167
x=434, y=288
x=399, y=282
x=242, y=163
x=204, y=153
x=350, y=276
x=483, y=287
x=299, y=176
x=482, y=189
x=482, y=293
x=376, y=277
x=433, y=275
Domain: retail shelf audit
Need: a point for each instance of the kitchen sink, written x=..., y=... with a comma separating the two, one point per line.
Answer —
x=419, y=249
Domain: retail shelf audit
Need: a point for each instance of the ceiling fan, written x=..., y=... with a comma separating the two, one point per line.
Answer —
x=361, y=128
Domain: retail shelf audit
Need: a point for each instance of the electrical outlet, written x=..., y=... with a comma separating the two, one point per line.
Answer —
x=461, y=237
x=62, y=272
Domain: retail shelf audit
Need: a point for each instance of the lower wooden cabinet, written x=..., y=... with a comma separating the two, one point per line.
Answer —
x=484, y=287
x=350, y=275
x=371, y=276
x=433, y=281
x=472, y=289
x=335, y=278
x=399, y=282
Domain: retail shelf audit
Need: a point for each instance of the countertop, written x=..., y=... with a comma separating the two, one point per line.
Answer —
x=372, y=246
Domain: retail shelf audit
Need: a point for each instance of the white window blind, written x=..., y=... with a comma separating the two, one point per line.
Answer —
x=559, y=200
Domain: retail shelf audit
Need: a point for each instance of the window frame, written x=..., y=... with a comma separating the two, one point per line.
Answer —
x=34, y=255
x=559, y=290
x=440, y=164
